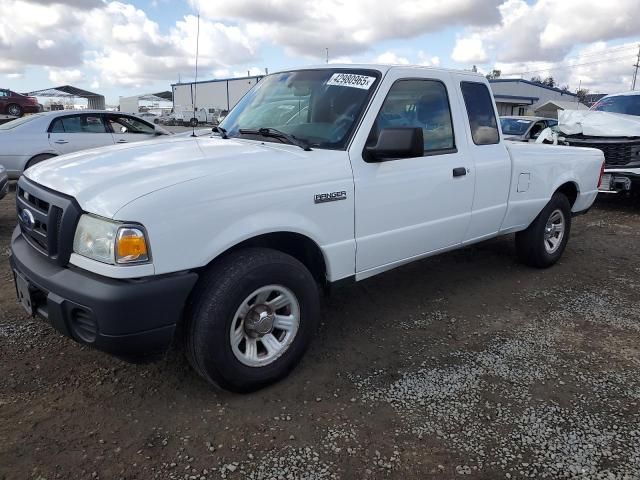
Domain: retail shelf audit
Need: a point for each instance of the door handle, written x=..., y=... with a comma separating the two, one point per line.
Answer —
x=61, y=142
x=459, y=172
x=121, y=141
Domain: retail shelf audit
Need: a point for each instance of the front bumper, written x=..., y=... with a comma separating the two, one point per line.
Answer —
x=127, y=318
x=617, y=180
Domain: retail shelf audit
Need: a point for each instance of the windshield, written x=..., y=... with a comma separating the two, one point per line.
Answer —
x=514, y=126
x=20, y=121
x=628, y=104
x=319, y=107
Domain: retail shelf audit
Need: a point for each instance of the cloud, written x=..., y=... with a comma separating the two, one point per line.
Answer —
x=63, y=77
x=470, y=50
x=79, y=4
x=36, y=34
x=428, y=60
x=599, y=67
x=115, y=39
x=547, y=30
x=307, y=27
x=391, y=58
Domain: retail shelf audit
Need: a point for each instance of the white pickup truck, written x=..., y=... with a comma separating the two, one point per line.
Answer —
x=317, y=176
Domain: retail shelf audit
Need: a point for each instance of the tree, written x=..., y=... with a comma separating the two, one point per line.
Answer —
x=494, y=74
x=565, y=88
x=537, y=79
x=549, y=82
x=582, y=94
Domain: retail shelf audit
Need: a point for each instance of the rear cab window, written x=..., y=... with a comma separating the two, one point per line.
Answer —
x=481, y=114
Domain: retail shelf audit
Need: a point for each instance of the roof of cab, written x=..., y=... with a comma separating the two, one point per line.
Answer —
x=382, y=68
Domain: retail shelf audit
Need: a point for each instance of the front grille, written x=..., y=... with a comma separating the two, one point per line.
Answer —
x=34, y=231
x=617, y=152
x=47, y=219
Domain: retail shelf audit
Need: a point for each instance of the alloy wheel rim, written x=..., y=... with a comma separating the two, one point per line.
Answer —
x=554, y=231
x=13, y=110
x=264, y=325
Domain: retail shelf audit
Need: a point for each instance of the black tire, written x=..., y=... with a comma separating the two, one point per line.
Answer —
x=156, y=121
x=530, y=243
x=37, y=159
x=14, y=110
x=213, y=305
x=193, y=122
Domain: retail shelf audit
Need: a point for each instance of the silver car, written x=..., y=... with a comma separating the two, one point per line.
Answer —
x=525, y=129
x=35, y=138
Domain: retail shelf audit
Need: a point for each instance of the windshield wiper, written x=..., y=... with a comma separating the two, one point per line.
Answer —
x=272, y=132
x=221, y=131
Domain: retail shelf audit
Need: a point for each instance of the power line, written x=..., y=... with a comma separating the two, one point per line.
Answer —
x=606, y=51
x=555, y=68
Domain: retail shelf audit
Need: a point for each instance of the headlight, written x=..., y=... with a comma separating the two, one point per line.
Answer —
x=110, y=242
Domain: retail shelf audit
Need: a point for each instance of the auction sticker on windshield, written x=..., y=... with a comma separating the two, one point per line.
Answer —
x=351, y=80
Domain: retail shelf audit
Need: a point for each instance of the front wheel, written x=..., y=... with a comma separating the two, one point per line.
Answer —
x=251, y=318
x=543, y=242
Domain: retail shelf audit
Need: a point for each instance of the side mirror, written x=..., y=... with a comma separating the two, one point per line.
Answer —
x=394, y=143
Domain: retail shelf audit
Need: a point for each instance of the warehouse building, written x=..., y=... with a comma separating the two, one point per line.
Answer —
x=220, y=94
x=515, y=96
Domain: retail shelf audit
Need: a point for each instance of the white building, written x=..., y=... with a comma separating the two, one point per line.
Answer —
x=515, y=96
x=220, y=94
x=153, y=102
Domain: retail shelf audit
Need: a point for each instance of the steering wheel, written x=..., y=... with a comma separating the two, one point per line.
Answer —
x=342, y=124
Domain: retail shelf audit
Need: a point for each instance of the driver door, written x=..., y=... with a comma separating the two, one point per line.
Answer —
x=127, y=129
x=410, y=207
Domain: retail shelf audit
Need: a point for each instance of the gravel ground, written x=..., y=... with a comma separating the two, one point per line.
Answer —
x=466, y=365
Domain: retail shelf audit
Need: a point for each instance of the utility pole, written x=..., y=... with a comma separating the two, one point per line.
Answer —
x=327, y=49
x=637, y=65
x=578, y=91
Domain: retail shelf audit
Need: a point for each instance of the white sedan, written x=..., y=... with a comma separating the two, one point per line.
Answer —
x=32, y=139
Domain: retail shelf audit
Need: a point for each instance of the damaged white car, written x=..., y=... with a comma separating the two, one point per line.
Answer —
x=613, y=126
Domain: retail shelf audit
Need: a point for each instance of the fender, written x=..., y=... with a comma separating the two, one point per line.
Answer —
x=339, y=257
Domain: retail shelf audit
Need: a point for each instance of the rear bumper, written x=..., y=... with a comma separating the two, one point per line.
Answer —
x=126, y=318
x=31, y=108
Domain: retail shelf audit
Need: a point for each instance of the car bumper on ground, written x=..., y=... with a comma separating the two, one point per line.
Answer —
x=620, y=181
x=131, y=319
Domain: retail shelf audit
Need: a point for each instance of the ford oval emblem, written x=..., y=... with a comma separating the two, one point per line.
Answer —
x=26, y=218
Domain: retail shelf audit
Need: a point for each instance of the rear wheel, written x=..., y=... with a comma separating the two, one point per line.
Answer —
x=251, y=318
x=37, y=159
x=542, y=244
x=14, y=110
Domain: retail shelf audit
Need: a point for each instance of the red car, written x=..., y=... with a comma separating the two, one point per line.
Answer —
x=15, y=104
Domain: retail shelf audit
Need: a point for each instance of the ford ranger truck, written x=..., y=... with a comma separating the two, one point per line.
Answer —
x=317, y=176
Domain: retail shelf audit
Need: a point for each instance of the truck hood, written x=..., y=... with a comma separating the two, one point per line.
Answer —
x=598, y=124
x=106, y=179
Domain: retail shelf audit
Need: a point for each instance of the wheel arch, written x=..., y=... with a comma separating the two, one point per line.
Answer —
x=298, y=245
x=570, y=189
